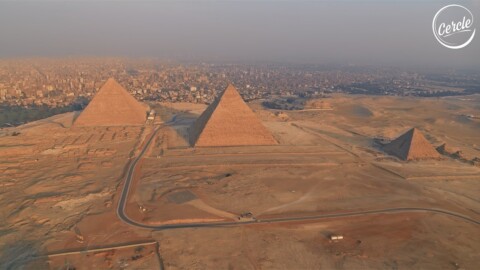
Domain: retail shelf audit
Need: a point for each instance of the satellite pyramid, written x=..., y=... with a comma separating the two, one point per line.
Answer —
x=411, y=145
x=228, y=121
x=112, y=106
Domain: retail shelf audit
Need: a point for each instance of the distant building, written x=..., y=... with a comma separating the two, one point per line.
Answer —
x=151, y=115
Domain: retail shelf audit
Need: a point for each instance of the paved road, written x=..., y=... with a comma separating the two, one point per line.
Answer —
x=128, y=180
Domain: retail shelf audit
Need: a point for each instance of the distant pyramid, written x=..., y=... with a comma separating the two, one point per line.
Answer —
x=112, y=106
x=228, y=121
x=411, y=145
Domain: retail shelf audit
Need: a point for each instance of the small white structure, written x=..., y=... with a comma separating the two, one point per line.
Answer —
x=151, y=115
x=336, y=237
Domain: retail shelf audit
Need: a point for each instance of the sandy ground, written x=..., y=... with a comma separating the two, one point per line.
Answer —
x=55, y=181
x=59, y=187
x=383, y=242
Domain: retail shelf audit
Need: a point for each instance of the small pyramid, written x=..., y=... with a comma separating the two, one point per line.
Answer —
x=411, y=145
x=112, y=106
x=228, y=121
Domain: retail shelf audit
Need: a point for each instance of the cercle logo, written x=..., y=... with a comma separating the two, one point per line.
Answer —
x=453, y=26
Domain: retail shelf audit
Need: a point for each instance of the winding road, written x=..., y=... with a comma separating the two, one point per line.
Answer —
x=128, y=181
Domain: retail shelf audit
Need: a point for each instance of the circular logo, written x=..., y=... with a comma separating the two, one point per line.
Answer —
x=453, y=26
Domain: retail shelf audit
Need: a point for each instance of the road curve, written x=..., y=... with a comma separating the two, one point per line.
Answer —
x=128, y=179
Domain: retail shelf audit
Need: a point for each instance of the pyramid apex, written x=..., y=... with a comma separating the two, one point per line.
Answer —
x=231, y=92
x=415, y=133
x=110, y=81
x=230, y=87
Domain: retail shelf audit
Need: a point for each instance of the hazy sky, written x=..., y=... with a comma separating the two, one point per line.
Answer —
x=362, y=32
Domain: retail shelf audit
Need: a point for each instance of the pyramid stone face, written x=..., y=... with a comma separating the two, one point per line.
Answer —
x=228, y=121
x=112, y=106
x=412, y=145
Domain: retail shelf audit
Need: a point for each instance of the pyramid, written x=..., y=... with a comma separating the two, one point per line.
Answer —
x=228, y=121
x=112, y=106
x=411, y=145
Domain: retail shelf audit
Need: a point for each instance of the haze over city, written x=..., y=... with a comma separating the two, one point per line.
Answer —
x=239, y=134
x=363, y=32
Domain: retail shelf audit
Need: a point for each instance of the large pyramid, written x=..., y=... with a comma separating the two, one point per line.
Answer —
x=228, y=121
x=112, y=106
x=411, y=145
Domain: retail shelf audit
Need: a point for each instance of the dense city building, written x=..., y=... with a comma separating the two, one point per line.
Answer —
x=63, y=82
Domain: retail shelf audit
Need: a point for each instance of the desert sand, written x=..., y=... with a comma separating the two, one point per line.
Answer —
x=59, y=193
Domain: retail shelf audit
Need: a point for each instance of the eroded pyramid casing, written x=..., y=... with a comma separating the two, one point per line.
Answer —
x=411, y=145
x=112, y=106
x=228, y=121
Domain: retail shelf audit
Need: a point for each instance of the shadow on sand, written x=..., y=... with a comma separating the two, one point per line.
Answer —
x=182, y=121
x=22, y=254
